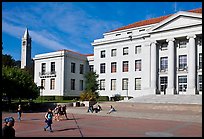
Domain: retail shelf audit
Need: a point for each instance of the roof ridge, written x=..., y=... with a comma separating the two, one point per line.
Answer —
x=151, y=21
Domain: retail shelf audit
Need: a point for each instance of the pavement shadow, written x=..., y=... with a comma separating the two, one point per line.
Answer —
x=70, y=119
x=65, y=129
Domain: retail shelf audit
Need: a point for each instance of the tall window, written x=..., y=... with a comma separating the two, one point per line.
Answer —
x=200, y=82
x=138, y=49
x=52, y=67
x=182, y=80
x=103, y=54
x=72, y=84
x=52, y=84
x=102, y=84
x=200, y=61
x=138, y=65
x=81, y=85
x=72, y=67
x=113, y=84
x=113, y=52
x=125, y=51
x=125, y=84
x=113, y=67
x=43, y=82
x=183, y=43
x=91, y=68
x=163, y=83
x=164, y=63
x=81, y=69
x=125, y=66
x=137, y=83
x=102, y=68
x=199, y=41
x=43, y=69
x=182, y=61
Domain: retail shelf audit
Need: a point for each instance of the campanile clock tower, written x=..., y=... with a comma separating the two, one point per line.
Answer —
x=26, y=61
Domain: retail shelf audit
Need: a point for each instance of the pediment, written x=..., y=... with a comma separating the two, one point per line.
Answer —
x=181, y=19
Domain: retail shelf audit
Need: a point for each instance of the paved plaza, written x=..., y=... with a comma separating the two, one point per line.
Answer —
x=129, y=120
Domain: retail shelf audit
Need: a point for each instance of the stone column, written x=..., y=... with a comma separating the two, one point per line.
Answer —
x=153, y=67
x=192, y=74
x=171, y=67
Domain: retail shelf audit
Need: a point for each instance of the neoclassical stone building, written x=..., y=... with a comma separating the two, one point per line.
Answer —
x=156, y=56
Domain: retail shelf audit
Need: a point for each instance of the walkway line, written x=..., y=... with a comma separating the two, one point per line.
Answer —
x=77, y=125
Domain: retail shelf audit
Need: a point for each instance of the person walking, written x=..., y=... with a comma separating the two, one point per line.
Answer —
x=90, y=109
x=48, y=120
x=19, y=112
x=64, y=110
x=8, y=131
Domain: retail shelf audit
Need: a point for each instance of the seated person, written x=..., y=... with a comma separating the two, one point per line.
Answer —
x=111, y=110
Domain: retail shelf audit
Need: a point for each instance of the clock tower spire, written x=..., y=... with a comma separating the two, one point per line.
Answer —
x=26, y=61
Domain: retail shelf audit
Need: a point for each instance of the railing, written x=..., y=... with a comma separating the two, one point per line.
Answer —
x=163, y=70
x=47, y=74
x=182, y=68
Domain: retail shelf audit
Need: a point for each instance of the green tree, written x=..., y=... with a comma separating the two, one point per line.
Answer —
x=7, y=60
x=91, y=87
x=18, y=84
x=91, y=82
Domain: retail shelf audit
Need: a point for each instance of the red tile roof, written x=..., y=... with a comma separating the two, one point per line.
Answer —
x=89, y=54
x=152, y=21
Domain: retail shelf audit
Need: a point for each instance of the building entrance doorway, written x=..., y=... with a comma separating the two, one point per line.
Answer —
x=163, y=85
x=182, y=84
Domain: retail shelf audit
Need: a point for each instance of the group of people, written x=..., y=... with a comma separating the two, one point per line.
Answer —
x=91, y=109
x=97, y=109
x=57, y=112
x=9, y=132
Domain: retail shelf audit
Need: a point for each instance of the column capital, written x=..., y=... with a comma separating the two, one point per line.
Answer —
x=191, y=36
x=147, y=43
x=170, y=39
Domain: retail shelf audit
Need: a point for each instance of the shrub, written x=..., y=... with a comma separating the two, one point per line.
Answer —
x=116, y=97
x=103, y=98
x=88, y=96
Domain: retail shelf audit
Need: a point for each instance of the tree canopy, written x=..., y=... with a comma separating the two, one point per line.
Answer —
x=91, y=87
x=91, y=82
x=17, y=83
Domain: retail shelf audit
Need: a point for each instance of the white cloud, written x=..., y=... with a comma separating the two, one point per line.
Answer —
x=56, y=25
x=44, y=40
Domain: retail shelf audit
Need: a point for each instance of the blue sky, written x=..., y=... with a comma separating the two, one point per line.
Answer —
x=74, y=25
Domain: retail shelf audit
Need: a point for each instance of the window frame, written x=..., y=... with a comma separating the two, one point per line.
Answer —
x=125, y=66
x=136, y=83
x=125, y=51
x=73, y=67
x=103, y=68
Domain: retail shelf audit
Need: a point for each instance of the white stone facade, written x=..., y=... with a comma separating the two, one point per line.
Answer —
x=159, y=58
x=56, y=76
x=170, y=52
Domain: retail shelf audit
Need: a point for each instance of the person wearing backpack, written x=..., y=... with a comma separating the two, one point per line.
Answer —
x=48, y=120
